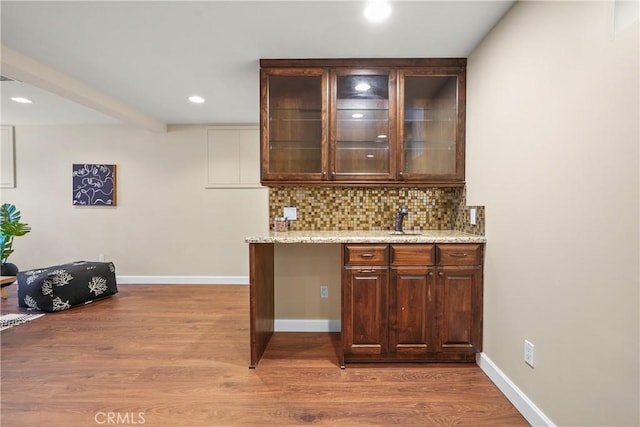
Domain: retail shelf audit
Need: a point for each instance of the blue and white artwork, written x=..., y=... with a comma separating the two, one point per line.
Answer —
x=94, y=185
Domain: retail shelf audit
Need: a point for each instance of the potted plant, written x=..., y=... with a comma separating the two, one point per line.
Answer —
x=10, y=227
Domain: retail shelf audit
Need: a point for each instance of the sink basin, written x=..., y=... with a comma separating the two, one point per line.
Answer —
x=405, y=233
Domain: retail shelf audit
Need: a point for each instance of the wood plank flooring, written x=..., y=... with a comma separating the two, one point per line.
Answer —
x=157, y=355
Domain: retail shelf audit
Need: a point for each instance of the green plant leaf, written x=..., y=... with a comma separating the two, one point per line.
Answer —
x=10, y=227
x=14, y=228
x=4, y=251
x=9, y=213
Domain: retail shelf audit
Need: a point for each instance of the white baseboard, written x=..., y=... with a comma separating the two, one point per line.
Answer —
x=307, y=325
x=182, y=280
x=523, y=404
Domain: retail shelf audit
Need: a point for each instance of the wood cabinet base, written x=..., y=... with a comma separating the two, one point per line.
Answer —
x=400, y=302
x=411, y=302
x=411, y=358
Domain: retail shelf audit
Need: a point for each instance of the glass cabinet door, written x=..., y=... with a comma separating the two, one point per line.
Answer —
x=432, y=126
x=362, y=137
x=293, y=129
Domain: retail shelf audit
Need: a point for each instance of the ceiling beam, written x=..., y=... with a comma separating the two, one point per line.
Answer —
x=27, y=70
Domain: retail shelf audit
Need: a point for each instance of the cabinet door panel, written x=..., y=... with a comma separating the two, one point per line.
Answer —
x=362, y=124
x=292, y=120
x=432, y=124
x=365, y=310
x=411, y=310
x=460, y=317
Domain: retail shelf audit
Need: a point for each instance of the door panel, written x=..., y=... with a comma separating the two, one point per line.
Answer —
x=366, y=316
x=411, y=310
x=461, y=311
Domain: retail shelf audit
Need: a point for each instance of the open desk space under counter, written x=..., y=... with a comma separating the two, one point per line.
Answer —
x=404, y=297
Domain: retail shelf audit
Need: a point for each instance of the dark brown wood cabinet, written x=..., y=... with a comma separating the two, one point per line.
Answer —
x=459, y=282
x=365, y=282
x=293, y=116
x=412, y=302
x=366, y=293
x=411, y=299
x=459, y=317
x=362, y=121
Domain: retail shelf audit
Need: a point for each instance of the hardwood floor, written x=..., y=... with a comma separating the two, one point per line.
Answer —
x=179, y=356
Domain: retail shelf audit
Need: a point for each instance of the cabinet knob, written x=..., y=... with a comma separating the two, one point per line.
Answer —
x=430, y=274
x=441, y=274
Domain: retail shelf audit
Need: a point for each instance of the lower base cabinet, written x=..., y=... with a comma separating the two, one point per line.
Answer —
x=411, y=302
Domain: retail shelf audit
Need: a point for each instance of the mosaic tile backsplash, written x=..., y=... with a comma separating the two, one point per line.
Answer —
x=370, y=208
x=462, y=215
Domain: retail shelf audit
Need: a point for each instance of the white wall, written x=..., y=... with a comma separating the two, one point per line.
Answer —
x=165, y=221
x=552, y=151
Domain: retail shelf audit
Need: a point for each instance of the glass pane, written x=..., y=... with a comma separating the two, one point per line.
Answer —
x=430, y=124
x=362, y=124
x=295, y=124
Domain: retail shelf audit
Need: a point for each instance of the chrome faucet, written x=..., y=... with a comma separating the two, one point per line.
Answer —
x=402, y=212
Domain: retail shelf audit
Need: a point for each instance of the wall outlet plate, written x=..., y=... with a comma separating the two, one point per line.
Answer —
x=290, y=213
x=529, y=353
x=324, y=291
x=472, y=216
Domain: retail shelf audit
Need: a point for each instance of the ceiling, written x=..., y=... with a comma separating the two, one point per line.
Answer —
x=90, y=62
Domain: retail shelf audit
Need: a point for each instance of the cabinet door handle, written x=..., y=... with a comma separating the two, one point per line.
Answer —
x=458, y=254
x=366, y=271
x=366, y=255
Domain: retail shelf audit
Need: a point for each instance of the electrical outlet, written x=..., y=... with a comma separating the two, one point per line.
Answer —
x=101, y=258
x=324, y=291
x=290, y=212
x=528, y=352
x=472, y=216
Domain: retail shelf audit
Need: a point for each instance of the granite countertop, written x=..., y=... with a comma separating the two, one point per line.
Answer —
x=384, y=236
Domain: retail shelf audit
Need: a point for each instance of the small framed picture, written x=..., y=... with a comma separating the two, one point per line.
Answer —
x=94, y=185
x=7, y=159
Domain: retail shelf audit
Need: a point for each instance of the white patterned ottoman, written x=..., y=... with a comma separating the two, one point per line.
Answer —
x=64, y=286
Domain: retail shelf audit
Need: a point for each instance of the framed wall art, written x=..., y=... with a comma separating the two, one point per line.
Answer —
x=94, y=185
x=7, y=158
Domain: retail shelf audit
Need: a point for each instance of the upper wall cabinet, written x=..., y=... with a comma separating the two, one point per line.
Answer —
x=293, y=126
x=232, y=157
x=361, y=122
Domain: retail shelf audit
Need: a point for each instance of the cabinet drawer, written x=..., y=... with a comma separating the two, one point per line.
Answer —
x=366, y=254
x=463, y=254
x=414, y=255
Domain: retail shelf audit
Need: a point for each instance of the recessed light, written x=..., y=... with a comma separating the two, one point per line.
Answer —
x=357, y=115
x=21, y=100
x=363, y=86
x=377, y=11
x=196, y=99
